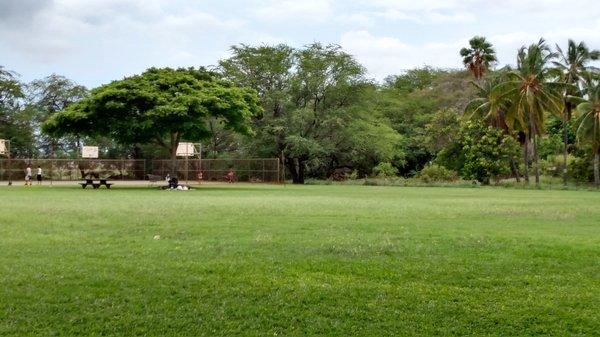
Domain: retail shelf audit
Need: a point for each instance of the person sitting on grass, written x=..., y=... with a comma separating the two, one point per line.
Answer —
x=173, y=182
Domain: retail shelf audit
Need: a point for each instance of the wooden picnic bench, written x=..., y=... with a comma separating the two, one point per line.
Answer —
x=95, y=183
x=154, y=178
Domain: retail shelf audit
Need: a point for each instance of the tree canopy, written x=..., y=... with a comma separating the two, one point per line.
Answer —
x=163, y=106
x=311, y=98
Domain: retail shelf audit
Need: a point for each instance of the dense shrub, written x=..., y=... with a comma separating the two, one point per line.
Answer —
x=550, y=145
x=581, y=169
x=487, y=152
x=385, y=170
x=437, y=173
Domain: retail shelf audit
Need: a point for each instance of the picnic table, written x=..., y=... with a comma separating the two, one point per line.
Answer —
x=154, y=178
x=95, y=183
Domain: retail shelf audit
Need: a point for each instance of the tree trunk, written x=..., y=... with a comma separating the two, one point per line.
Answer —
x=290, y=163
x=597, y=169
x=174, y=144
x=173, y=172
x=301, y=172
x=567, y=116
x=526, y=159
x=536, y=160
x=139, y=167
x=296, y=168
x=514, y=168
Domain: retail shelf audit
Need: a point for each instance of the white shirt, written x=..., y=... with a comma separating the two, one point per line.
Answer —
x=39, y=171
x=29, y=171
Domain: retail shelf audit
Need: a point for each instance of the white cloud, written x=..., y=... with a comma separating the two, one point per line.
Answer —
x=462, y=17
x=95, y=41
x=67, y=24
x=421, y=5
x=355, y=19
x=506, y=44
x=384, y=55
x=297, y=11
x=424, y=11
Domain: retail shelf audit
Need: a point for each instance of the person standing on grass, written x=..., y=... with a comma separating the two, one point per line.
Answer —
x=230, y=176
x=28, y=175
x=39, y=175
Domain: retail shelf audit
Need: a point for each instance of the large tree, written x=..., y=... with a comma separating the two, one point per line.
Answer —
x=15, y=117
x=479, y=56
x=163, y=106
x=411, y=101
x=310, y=98
x=572, y=64
x=268, y=70
x=48, y=96
x=326, y=84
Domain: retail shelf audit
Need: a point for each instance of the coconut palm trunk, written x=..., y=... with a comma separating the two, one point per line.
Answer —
x=597, y=169
x=526, y=159
x=565, y=156
x=536, y=161
x=533, y=131
x=567, y=116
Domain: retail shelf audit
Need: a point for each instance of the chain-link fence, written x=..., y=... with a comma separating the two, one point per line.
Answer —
x=75, y=169
x=259, y=170
x=245, y=170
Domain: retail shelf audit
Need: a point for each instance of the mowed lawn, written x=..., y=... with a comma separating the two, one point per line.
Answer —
x=265, y=260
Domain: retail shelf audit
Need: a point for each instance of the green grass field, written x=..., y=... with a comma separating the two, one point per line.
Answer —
x=299, y=260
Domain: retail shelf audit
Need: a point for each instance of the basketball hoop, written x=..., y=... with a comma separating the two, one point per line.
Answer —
x=89, y=152
x=5, y=151
x=3, y=147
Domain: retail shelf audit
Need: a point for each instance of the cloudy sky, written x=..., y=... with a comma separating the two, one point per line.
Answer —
x=95, y=41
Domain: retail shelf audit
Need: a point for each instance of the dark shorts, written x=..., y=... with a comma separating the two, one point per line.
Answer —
x=39, y=177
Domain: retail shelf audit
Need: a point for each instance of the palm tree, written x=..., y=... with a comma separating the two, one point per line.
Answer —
x=572, y=64
x=588, y=122
x=488, y=105
x=532, y=91
x=479, y=57
x=491, y=107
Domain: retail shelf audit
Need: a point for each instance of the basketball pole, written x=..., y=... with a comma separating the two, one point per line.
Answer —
x=200, y=163
x=283, y=166
x=187, y=170
x=9, y=163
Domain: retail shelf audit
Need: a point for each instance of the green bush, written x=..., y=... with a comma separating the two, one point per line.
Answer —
x=581, y=169
x=550, y=145
x=353, y=175
x=555, y=164
x=437, y=173
x=385, y=170
x=487, y=152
